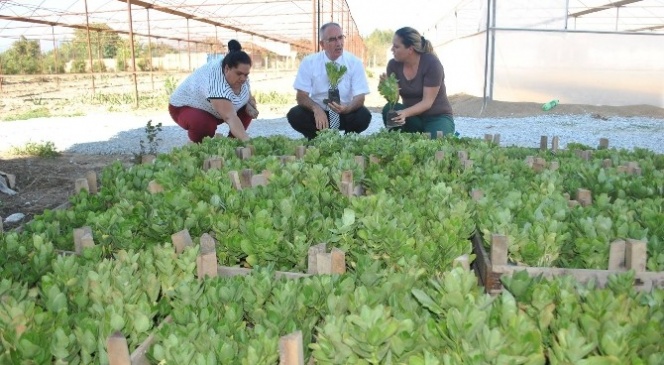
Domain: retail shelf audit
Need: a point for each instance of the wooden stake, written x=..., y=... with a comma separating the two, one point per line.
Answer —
x=181, y=240
x=338, y=261
x=439, y=134
x=468, y=164
x=476, y=194
x=245, y=178
x=617, y=255
x=488, y=137
x=584, y=196
x=118, y=351
x=440, y=155
x=258, y=180
x=91, y=176
x=245, y=153
x=374, y=159
x=154, y=187
x=606, y=163
x=206, y=262
x=324, y=263
x=235, y=179
x=83, y=239
x=81, y=184
x=603, y=143
x=463, y=156
x=636, y=255
x=360, y=161
x=544, y=141
x=555, y=141
x=148, y=159
x=213, y=163
x=539, y=164
x=498, y=249
x=312, y=265
x=287, y=159
x=530, y=160
x=300, y=151
x=267, y=174
x=291, y=351
x=496, y=139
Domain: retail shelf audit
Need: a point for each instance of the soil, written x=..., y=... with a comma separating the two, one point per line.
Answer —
x=46, y=183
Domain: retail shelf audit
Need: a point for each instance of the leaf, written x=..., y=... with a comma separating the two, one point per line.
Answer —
x=426, y=301
x=141, y=323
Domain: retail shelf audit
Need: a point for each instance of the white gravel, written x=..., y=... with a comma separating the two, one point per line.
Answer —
x=120, y=133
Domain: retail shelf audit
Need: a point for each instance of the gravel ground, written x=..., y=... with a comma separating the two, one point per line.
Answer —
x=121, y=133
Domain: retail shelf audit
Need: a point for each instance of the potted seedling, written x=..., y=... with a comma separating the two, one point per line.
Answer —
x=334, y=72
x=389, y=89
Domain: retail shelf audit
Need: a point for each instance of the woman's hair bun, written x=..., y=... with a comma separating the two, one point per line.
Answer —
x=234, y=45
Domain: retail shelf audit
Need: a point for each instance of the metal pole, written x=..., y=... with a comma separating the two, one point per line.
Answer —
x=486, y=55
x=133, y=54
x=55, y=57
x=314, y=38
x=617, y=16
x=493, y=49
x=188, y=46
x=566, y=13
x=87, y=31
x=150, y=50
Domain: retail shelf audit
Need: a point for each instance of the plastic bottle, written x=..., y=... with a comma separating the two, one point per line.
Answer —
x=550, y=105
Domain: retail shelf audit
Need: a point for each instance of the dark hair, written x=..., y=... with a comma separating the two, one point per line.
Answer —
x=412, y=38
x=235, y=55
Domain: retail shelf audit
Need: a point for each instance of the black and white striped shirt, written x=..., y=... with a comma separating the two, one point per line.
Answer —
x=207, y=83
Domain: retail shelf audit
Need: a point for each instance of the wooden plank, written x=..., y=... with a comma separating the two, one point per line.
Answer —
x=258, y=180
x=482, y=264
x=324, y=263
x=213, y=163
x=496, y=139
x=138, y=357
x=118, y=352
x=291, y=351
x=300, y=151
x=584, y=197
x=544, y=141
x=642, y=281
x=603, y=143
x=488, y=137
x=228, y=271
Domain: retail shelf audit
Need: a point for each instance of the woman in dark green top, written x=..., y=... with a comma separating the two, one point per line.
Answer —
x=421, y=78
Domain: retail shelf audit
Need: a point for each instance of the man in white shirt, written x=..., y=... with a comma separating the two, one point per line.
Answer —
x=312, y=114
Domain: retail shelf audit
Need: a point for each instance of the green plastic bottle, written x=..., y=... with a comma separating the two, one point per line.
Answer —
x=550, y=105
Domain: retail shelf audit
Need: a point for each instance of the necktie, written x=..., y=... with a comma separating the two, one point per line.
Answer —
x=335, y=120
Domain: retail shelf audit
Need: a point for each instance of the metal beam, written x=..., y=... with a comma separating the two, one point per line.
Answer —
x=203, y=19
x=611, y=5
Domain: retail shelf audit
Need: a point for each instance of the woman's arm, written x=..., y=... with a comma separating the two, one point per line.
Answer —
x=229, y=115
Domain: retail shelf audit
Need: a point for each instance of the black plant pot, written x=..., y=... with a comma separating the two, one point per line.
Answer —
x=333, y=96
x=389, y=123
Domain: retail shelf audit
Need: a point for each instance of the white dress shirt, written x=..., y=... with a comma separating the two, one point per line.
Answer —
x=312, y=78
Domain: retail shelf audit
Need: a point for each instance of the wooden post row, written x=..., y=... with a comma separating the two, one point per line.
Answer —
x=291, y=351
x=181, y=240
x=321, y=262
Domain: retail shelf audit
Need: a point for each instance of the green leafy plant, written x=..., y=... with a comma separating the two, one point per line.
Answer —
x=335, y=72
x=389, y=89
x=45, y=149
x=170, y=84
x=152, y=144
x=33, y=113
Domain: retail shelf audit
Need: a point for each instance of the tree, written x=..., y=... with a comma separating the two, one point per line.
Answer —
x=24, y=57
x=378, y=43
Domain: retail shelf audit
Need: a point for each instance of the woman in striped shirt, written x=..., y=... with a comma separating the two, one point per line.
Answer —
x=216, y=93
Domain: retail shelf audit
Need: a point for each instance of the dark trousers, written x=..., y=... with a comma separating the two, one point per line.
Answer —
x=303, y=121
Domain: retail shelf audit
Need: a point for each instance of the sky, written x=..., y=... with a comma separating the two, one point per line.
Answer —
x=394, y=14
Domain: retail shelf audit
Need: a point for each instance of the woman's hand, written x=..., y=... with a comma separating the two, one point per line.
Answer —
x=400, y=119
x=382, y=77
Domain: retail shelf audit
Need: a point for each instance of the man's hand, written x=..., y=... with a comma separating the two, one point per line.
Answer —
x=321, y=119
x=340, y=109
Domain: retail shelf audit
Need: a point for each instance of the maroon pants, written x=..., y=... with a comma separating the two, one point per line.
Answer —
x=200, y=124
